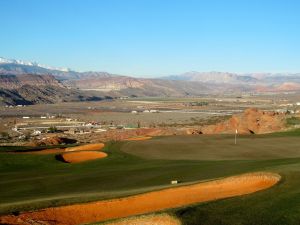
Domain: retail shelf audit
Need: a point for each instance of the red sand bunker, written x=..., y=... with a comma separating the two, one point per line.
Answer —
x=148, y=202
x=138, y=138
x=76, y=157
x=88, y=147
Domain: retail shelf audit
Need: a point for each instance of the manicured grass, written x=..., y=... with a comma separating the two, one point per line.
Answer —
x=30, y=148
x=30, y=181
x=278, y=205
x=216, y=147
x=35, y=181
x=293, y=121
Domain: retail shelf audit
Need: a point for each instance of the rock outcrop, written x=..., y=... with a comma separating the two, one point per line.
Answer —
x=54, y=140
x=251, y=121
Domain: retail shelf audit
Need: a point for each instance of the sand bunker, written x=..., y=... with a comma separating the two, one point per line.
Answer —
x=76, y=157
x=148, y=202
x=159, y=219
x=138, y=138
x=88, y=147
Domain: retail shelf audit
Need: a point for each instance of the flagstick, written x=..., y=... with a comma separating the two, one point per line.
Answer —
x=236, y=131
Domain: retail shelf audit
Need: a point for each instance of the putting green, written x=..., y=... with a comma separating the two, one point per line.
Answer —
x=215, y=147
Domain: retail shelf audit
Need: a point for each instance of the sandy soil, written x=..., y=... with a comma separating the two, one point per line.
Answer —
x=88, y=147
x=159, y=219
x=138, y=138
x=76, y=157
x=148, y=202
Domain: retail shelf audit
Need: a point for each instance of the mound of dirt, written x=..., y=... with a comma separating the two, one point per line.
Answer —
x=76, y=157
x=148, y=202
x=54, y=141
x=157, y=219
x=87, y=147
x=138, y=138
x=251, y=121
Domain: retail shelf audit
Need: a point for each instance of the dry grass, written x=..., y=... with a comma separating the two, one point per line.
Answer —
x=155, y=219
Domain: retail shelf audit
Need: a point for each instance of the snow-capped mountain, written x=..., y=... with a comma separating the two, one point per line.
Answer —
x=26, y=63
x=13, y=66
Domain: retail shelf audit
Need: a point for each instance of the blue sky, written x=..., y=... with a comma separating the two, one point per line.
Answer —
x=154, y=37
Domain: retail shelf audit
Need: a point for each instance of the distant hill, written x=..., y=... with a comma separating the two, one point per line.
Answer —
x=17, y=67
x=140, y=87
x=52, y=84
x=212, y=77
x=233, y=78
x=30, y=89
x=257, y=82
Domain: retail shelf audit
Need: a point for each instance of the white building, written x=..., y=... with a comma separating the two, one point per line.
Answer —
x=36, y=133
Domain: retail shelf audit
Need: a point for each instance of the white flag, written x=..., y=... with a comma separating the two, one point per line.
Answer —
x=236, y=131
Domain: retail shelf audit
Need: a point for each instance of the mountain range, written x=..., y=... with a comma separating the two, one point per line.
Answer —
x=32, y=83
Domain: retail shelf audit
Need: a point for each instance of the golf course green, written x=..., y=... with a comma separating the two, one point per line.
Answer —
x=31, y=181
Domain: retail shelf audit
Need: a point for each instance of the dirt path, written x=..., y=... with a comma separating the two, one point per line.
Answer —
x=148, y=202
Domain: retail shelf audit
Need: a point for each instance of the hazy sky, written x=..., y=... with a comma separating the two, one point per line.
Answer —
x=154, y=37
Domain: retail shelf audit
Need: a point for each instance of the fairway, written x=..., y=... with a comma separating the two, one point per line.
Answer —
x=32, y=181
x=216, y=147
x=151, y=201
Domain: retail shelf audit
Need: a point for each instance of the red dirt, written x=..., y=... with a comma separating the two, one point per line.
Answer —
x=87, y=147
x=76, y=157
x=138, y=138
x=148, y=202
x=53, y=140
x=250, y=121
